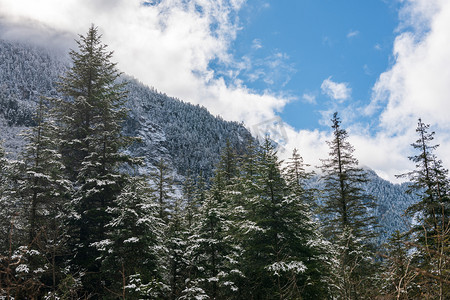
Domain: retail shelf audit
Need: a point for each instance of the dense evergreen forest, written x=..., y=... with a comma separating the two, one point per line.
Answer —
x=80, y=221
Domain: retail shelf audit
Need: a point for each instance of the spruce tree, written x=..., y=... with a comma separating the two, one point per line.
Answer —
x=163, y=188
x=281, y=253
x=310, y=246
x=130, y=254
x=431, y=233
x=44, y=195
x=213, y=249
x=7, y=207
x=43, y=188
x=178, y=231
x=90, y=118
x=399, y=271
x=346, y=216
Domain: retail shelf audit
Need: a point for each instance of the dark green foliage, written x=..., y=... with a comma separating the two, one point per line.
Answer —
x=282, y=246
x=130, y=258
x=347, y=222
x=346, y=204
x=213, y=250
x=7, y=206
x=431, y=234
x=163, y=183
x=79, y=224
x=90, y=118
x=399, y=271
x=44, y=193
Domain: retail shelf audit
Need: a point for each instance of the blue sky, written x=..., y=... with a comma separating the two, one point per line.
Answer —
x=277, y=65
x=346, y=41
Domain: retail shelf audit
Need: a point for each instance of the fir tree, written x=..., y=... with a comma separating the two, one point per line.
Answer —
x=431, y=235
x=280, y=258
x=44, y=194
x=131, y=252
x=178, y=231
x=310, y=246
x=7, y=207
x=346, y=214
x=213, y=249
x=163, y=188
x=399, y=271
x=90, y=118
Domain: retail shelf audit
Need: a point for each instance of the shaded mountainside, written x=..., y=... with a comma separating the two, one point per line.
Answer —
x=392, y=201
x=186, y=136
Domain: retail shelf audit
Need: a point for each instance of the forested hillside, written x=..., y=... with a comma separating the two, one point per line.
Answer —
x=116, y=191
x=188, y=137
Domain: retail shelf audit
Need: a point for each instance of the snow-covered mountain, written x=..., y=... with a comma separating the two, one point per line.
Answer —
x=186, y=136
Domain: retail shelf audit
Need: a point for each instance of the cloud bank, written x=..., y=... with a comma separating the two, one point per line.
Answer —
x=171, y=44
x=166, y=44
x=416, y=85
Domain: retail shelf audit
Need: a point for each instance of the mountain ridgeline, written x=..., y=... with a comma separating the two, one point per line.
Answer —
x=185, y=136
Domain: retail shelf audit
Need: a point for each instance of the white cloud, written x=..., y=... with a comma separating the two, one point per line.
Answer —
x=309, y=98
x=417, y=85
x=335, y=90
x=170, y=44
x=256, y=44
x=352, y=33
x=166, y=44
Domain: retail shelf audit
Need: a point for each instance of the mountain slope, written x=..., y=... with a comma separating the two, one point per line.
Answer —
x=186, y=136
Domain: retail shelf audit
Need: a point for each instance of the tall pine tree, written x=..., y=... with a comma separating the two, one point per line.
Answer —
x=346, y=215
x=90, y=118
x=280, y=259
x=431, y=233
x=44, y=195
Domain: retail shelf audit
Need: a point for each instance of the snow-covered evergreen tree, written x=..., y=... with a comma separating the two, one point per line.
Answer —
x=431, y=234
x=131, y=251
x=348, y=223
x=281, y=257
x=213, y=250
x=44, y=193
x=7, y=208
x=163, y=188
x=90, y=117
x=398, y=277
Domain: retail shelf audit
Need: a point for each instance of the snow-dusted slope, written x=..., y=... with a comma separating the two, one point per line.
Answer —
x=187, y=137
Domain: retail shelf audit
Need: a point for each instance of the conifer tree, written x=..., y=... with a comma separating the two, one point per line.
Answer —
x=178, y=231
x=131, y=252
x=44, y=194
x=163, y=188
x=44, y=189
x=312, y=248
x=90, y=118
x=213, y=250
x=280, y=260
x=7, y=209
x=399, y=271
x=431, y=234
x=346, y=214
x=189, y=198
